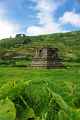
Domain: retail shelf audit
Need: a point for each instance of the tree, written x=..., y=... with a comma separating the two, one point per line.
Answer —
x=18, y=35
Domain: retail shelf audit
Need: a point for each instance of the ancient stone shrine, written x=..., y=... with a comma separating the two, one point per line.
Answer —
x=46, y=58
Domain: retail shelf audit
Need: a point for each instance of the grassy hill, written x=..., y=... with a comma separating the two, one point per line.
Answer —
x=40, y=94
x=67, y=43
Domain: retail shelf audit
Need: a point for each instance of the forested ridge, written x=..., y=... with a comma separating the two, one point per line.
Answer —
x=68, y=44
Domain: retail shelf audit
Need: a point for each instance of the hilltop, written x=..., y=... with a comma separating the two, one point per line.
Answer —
x=68, y=44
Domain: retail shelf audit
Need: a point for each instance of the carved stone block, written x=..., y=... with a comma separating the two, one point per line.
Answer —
x=47, y=58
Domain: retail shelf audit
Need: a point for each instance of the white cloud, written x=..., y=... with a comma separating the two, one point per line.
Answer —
x=34, y=30
x=46, y=10
x=48, y=28
x=7, y=28
x=71, y=17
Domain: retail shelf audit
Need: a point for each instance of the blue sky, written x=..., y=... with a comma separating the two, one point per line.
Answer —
x=35, y=17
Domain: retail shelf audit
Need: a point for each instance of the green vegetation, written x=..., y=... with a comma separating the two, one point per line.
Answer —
x=39, y=100
x=67, y=43
x=39, y=94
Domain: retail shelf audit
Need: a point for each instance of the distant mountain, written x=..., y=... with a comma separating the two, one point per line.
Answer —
x=68, y=44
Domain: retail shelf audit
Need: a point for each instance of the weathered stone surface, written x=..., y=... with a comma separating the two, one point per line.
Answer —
x=47, y=58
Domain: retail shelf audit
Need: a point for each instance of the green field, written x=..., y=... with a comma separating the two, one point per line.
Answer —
x=71, y=74
x=40, y=94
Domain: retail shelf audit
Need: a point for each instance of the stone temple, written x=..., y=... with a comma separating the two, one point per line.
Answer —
x=46, y=58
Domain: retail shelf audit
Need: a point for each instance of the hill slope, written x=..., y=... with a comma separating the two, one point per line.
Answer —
x=67, y=43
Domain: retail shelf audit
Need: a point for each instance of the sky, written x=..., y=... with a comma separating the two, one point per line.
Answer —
x=36, y=17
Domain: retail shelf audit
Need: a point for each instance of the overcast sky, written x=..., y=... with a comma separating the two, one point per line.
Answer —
x=35, y=17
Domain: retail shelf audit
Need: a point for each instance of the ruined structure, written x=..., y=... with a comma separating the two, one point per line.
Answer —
x=46, y=58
